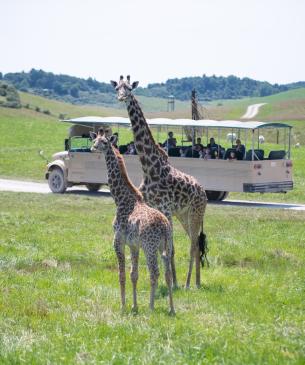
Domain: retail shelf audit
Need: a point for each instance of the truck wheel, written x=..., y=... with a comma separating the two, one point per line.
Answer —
x=56, y=181
x=93, y=187
x=216, y=195
x=223, y=196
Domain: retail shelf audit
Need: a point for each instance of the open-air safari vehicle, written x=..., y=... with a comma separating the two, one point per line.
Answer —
x=267, y=169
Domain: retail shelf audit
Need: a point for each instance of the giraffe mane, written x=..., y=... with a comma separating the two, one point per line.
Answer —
x=125, y=176
x=159, y=149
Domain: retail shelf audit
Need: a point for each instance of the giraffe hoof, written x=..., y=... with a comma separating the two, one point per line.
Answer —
x=134, y=310
x=175, y=287
x=172, y=313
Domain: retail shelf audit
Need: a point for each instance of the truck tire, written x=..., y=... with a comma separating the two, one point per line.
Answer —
x=57, y=181
x=216, y=195
x=93, y=187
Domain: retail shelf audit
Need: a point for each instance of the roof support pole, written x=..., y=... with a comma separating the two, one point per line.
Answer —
x=253, y=130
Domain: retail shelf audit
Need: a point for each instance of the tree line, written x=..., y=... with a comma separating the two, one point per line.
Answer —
x=84, y=91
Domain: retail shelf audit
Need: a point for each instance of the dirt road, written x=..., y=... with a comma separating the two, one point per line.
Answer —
x=252, y=110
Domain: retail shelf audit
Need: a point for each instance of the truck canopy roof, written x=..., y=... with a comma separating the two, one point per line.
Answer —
x=93, y=121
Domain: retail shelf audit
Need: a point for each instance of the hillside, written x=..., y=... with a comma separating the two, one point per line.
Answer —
x=285, y=106
x=90, y=91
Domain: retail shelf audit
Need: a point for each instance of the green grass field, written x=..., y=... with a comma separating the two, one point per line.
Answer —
x=59, y=301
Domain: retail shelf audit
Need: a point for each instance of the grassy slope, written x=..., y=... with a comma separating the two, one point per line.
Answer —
x=57, y=107
x=250, y=309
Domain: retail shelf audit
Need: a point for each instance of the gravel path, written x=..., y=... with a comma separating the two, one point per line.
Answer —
x=43, y=188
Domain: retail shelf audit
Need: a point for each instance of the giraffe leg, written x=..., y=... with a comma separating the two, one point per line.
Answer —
x=134, y=274
x=168, y=279
x=173, y=269
x=195, y=221
x=152, y=263
x=191, y=263
x=183, y=219
x=172, y=256
x=119, y=248
x=191, y=223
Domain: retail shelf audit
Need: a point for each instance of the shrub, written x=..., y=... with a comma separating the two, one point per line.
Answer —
x=10, y=94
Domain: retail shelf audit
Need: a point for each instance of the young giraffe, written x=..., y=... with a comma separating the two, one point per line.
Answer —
x=137, y=225
x=164, y=187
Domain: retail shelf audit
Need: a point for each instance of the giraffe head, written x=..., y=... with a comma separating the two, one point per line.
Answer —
x=102, y=144
x=124, y=88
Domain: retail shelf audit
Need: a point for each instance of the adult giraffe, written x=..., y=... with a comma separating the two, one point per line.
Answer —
x=164, y=187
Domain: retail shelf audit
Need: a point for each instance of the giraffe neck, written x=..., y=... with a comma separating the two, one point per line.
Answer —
x=152, y=156
x=121, y=188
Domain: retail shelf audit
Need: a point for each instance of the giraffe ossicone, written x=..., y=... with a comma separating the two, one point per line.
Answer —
x=164, y=187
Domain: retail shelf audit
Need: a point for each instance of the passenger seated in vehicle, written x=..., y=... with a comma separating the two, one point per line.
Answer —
x=240, y=150
x=198, y=144
x=232, y=156
x=212, y=144
x=170, y=142
x=205, y=153
x=131, y=149
x=190, y=151
x=214, y=154
x=216, y=149
x=183, y=152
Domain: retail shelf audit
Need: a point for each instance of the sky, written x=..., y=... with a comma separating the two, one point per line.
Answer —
x=155, y=40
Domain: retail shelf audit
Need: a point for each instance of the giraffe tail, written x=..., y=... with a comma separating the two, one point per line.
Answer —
x=203, y=248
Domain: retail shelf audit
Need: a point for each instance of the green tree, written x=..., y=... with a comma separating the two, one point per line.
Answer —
x=74, y=91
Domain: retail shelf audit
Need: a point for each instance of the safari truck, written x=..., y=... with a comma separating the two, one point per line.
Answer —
x=265, y=166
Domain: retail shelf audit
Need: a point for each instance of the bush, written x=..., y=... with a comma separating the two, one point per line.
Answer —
x=10, y=94
x=47, y=112
x=74, y=92
x=37, y=109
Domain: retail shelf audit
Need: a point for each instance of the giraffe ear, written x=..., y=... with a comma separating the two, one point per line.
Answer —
x=113, y=83
x=92, y=135
x=135, y=84
x=112, y=139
